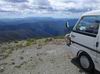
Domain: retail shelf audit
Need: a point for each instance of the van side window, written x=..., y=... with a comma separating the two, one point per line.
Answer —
x=88, y=25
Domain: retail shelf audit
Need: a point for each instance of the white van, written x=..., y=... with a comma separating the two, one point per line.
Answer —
x=84, y=40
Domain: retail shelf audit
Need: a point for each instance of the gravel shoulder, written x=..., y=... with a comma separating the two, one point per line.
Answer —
x=51, y=58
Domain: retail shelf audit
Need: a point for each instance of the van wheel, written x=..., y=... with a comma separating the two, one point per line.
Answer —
x=86, y=62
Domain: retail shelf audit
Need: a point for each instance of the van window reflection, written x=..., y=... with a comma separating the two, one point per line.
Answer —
x=88, y=24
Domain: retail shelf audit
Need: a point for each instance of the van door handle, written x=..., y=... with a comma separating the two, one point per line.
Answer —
x=97, y=44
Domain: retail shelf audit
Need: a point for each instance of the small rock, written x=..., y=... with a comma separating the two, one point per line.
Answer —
x=40, y=59
x=13, y=63
x=2, y=69
x=22, y=51
x=12, y=59
x=18, y=66
x=31, y=57
x=37, y=54
x=21, y=58
x=39, y=46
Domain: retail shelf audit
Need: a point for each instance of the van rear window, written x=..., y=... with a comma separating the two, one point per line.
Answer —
x=88, y=25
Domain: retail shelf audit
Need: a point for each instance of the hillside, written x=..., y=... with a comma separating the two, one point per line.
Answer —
x=23, y=28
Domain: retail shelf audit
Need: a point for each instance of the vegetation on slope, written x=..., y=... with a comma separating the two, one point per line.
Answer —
x=7, y=48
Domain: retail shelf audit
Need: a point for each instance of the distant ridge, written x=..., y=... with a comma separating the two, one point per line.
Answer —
x=23, y=28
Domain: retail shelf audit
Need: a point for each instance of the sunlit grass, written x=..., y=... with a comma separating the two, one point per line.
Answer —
x=8, y=47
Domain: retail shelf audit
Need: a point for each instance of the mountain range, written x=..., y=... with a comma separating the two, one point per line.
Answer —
x=33, y=27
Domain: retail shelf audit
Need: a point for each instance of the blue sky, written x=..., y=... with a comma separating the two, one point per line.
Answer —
x=48, y=8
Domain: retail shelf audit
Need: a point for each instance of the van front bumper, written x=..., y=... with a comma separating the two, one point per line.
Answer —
x=73, y=49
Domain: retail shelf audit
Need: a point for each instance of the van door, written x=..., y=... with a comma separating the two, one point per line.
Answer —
x=98, y=51
x=85, y=33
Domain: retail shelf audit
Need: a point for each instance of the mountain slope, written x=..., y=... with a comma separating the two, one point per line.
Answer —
x=23, y=28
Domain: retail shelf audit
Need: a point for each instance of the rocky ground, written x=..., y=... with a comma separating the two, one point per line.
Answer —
x=48, y=56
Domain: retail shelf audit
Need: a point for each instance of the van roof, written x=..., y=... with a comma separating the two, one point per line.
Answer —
x=96, y=12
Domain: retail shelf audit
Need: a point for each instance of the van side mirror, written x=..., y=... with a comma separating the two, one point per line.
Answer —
x=67, y=25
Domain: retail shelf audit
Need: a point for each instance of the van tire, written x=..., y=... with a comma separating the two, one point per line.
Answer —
x=86, y=65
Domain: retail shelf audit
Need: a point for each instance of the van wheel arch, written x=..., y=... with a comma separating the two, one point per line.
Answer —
x=92, y=66
x=79, y=52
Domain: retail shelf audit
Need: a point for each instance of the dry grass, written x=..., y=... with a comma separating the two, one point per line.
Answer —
x=7, y=48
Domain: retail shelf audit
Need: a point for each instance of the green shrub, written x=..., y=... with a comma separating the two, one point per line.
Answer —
x=30, y=42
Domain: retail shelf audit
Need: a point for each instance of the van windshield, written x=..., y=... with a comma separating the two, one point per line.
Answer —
x=88, y=25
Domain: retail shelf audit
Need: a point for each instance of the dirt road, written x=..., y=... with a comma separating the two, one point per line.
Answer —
x=51, y=58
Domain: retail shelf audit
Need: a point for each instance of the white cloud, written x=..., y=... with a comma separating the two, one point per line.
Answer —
x=67, y=8
x=75, y=4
